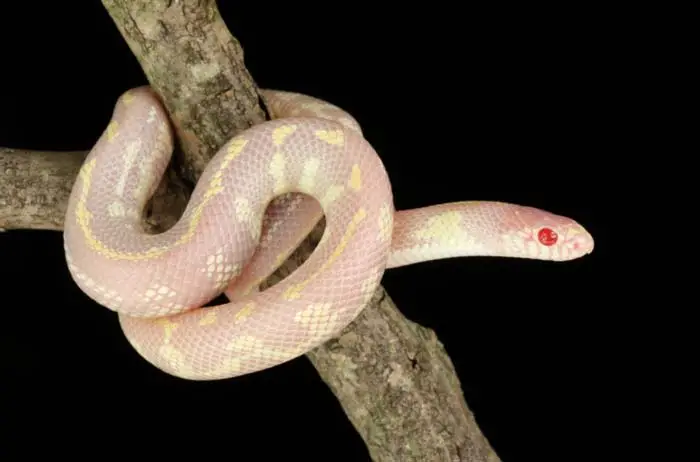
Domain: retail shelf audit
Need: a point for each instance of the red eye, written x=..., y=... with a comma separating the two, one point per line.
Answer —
x=547, y=236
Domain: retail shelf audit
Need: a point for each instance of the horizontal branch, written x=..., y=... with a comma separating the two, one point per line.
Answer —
x=35, y=186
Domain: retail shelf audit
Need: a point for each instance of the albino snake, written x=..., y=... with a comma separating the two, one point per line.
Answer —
x=228, y=239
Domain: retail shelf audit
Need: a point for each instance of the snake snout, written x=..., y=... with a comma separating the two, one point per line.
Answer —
x=583, y=243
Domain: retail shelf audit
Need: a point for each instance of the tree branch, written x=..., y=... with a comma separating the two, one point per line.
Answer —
x=35, y=187
x=393, y=378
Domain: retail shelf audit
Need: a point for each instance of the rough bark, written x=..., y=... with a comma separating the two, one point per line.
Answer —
x=392, y=377
x=35, y=185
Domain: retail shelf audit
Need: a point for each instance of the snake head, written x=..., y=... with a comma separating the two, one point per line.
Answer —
x=545, y=236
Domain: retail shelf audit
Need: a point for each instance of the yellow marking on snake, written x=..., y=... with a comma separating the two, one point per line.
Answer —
x=294, y=291
x=83, y=215
x=332, y=194
x=128, y=97
x=245, y=342
x=277, y=165
x=385, y=221
x=245, y=214
x=573, y=232
x=319, y=318
x=245, y=312
x=168, y=329
x=355, y=181
x=116, y=209
x=152, y=113
x=445, y=227
x=308, y=174
x=208, y=318
x=334, y=137
x=176, y=360
x=232, y=151
x=112, y=130
x=279, y=134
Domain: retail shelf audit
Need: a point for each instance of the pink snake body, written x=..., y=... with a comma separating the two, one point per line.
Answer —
x=245, y=216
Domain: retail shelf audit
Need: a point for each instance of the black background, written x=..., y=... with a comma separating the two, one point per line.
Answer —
x=461, y=102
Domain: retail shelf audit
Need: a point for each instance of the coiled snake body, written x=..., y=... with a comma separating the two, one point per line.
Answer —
x=246, y=216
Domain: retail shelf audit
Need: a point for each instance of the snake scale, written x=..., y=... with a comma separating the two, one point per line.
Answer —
x=258, y=198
